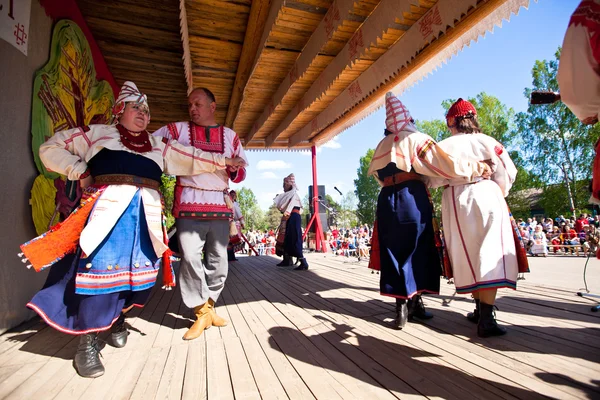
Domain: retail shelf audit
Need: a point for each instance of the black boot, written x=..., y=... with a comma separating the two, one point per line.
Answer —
x=401, y=314
x=303, y=265
x=119, y=332
x=231, y=255
x=87, y=359
x=416, y=309
x=474, y=316
x=286, y=262
x=487, y=325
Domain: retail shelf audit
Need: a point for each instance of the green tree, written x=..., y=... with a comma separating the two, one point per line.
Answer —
x=366, y=190
x=253, y=214
x=347, y=216
x=272, y=218
x=167, y=189
x=554, y=142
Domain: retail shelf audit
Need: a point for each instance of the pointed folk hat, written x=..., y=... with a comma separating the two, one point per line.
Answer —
x=397, y=116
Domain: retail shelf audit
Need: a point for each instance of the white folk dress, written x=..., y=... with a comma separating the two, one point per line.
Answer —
x=477, y=226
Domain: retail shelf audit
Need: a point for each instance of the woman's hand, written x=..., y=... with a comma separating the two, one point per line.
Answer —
x=235, y=162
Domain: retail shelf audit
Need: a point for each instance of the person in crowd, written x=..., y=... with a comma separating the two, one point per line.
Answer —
x=409, y=260
x=202, y=209
x=289, y=236
x=581, y=223
x=477, y=226
x=547, y=225
x=539, y=242
x=105, y=257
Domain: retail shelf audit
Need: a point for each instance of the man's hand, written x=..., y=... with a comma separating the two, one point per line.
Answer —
x=488, y=169
x=87, y=181
x=235, y=162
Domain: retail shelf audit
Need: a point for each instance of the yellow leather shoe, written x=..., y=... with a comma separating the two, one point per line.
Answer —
x=216, y=320
x=203, y=321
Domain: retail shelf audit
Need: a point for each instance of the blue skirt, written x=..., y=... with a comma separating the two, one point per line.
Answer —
x=68, y=310
x=292, y=243
x=409, y=259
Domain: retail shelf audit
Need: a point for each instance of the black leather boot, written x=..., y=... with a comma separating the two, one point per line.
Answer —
x=401, y=314
x=119, y=332
x=303, y=265
x=286, y=262
x=87, y=359
x=474, y=316
x=416, y=309
x=487, y=325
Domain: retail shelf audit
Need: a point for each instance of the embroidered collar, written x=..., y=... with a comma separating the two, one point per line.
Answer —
x=207, y=138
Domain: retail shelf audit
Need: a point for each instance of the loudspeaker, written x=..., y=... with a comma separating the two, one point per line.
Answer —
x=321, y=194
x=324, y=224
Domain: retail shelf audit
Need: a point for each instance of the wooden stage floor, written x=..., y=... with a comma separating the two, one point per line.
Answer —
x=322, y=333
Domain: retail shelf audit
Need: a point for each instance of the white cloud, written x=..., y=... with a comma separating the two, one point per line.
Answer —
x=268, y=175
x=272, y=164
x=332, y=144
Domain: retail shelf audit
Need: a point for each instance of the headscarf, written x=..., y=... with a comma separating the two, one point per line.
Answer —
x=129, y=94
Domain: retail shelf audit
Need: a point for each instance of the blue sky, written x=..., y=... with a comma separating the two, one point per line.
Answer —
x=499, y=64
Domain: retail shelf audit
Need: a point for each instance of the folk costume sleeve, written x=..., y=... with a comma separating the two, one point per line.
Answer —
x=238, y=175
x=431, y=160
x=579, y=68
x=65, y=152
x=187, y=160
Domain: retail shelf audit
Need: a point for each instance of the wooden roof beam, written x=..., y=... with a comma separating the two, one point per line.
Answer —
x=381, y=19
x=259, y=12
x=185, y=42
x=274, y=11
x=409, y=60
x=332, y=20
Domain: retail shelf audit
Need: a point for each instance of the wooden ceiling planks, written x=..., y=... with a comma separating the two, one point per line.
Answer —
x=140, y=42
x=275, y=75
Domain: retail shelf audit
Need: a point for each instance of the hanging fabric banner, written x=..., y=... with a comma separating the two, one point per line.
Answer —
x=14, y=22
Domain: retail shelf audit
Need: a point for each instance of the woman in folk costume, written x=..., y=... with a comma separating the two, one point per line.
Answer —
x=477, y=224
x=408, y=256
x=289, y=235
x=235, y=238
x=104, y=257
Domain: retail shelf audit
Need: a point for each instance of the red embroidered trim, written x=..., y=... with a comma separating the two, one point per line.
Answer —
x=173, y=130
x=214, y=144
x=85, y=174
x=139, y=144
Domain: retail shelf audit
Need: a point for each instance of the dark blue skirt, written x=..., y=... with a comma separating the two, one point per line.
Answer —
x=292, y=243
x=409, y=257
x=68, y=310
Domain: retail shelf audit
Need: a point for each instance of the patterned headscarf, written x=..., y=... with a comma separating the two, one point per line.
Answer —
x=129, y=93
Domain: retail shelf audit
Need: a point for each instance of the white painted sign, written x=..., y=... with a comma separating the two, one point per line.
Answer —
x=14, y=22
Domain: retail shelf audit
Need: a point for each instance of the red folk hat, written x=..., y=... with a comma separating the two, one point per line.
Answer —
x=461, y=108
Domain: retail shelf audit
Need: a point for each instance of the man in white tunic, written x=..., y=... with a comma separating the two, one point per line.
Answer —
x=202, y=209
x=476, y=220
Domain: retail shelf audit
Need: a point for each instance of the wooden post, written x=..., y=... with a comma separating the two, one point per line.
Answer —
x=319, y=238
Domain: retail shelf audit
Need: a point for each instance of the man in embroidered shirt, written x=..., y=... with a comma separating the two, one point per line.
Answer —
x=202, y=210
